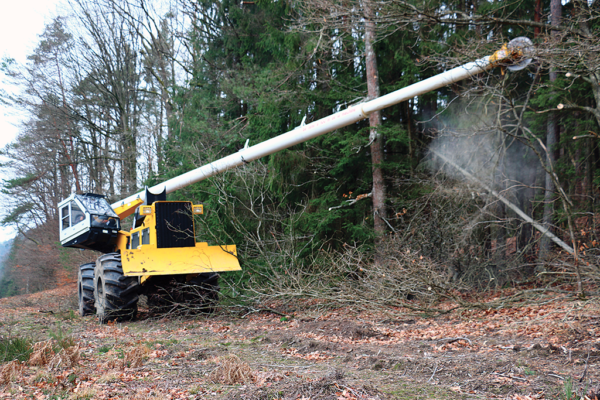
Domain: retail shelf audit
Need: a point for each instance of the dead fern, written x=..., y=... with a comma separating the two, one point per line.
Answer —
x=231, y=370
x=131, y=359
x=135, y=357
x=9, y=371
x=42, y=353
x=67, y=357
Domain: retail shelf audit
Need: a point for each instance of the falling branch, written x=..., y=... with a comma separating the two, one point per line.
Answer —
x=352, y=201
x=544, y=231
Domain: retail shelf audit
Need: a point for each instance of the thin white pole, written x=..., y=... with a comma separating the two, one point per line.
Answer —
x=316, y=128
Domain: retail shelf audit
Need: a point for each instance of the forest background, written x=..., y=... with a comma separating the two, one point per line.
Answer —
x=483, y=184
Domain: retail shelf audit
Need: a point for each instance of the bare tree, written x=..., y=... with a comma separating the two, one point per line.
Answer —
x=46, y=153
x=113, y=64
x=159, y=35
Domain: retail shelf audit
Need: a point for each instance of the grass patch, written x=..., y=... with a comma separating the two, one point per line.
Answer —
x=43, y=377
x=68, y=315
x=63, y=339
x=569, y=394
x=164, y=343
x=15, y=348
x=104, y=349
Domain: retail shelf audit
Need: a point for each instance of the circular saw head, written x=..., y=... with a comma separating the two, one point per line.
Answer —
x=521, y=49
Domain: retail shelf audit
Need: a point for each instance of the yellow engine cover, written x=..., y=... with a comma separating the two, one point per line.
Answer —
x=149, y=260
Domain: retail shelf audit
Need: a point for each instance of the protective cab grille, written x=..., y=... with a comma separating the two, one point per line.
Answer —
x=174, y=224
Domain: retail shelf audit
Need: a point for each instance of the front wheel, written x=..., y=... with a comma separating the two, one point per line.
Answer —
x=116, y=295
x=85, y=289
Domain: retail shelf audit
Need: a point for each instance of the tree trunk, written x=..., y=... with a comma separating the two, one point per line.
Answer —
x=588, y=188
x=527, y=195
x=407, y=109
x=379, y=211
x=537, y=17
x=500, y=237
x=551, y=139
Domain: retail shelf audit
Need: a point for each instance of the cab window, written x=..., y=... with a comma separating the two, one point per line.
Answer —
x=135, y=240
x=76, y=214
x=64, y=217
x=146, y=236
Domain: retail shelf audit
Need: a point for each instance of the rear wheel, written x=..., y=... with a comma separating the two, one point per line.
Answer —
x=116, y=295
x=85, y=289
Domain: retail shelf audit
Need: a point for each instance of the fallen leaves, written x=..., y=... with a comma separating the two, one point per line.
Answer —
x=349, y=393
x=194, y=359
x=537, y=396
x=158, y=353
x=313, y=356
x=265, y=377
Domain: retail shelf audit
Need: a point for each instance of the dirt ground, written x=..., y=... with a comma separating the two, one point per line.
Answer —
x=547, y=350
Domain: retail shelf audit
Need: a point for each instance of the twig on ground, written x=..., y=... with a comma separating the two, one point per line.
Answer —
x=257, y=310
x=281, y=366
x=432, y=375
x=510, y=377
x=452, y=340
x=586, y=368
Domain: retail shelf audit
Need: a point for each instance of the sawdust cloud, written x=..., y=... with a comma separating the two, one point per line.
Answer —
x=473, y=139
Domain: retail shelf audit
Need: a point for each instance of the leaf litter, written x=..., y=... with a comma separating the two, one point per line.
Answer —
x=532, y=351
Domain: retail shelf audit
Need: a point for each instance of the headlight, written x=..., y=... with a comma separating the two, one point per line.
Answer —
x=145, y=210
x=197, y=209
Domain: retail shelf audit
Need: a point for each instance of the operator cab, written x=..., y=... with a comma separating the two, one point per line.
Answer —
x=87, y=221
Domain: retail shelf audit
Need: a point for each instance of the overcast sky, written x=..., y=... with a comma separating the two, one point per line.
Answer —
x=21, y=22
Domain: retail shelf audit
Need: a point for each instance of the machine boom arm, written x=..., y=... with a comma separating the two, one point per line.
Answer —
x=330, y=123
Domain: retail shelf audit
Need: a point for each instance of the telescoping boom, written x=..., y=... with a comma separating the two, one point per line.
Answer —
x=159, y=255
x=515, y=55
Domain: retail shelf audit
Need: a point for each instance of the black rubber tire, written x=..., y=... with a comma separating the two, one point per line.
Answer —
x=85, y=289
x=203, y=292
x=116, y=295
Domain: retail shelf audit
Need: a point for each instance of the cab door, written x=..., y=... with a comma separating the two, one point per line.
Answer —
x=73, y=220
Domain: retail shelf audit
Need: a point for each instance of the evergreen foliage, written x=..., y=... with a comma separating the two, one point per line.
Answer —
x=147, y=94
